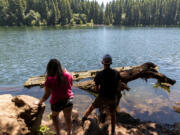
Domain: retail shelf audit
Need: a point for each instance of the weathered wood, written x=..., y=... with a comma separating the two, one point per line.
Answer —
x=35, y=81
x=39, y=80
x=144, y=71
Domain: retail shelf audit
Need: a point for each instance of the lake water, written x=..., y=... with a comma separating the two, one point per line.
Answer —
x=25, y=52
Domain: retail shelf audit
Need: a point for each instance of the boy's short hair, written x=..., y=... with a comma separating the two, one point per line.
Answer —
x=107, y=59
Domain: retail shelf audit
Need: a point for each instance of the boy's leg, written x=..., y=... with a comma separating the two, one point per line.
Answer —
x=95, y=104
x=113, y=122
x=67, y=115
x=55, y=119
x=88, y=111
x=113, y=117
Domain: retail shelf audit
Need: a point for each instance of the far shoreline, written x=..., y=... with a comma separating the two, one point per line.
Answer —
x=92, y=25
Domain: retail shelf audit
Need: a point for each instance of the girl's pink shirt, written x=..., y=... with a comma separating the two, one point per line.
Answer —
x=60, y=91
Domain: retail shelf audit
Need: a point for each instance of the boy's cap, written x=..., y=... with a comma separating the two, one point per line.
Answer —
x=107, y=59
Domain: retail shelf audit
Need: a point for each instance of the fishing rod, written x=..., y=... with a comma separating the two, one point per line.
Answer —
x=97, y=60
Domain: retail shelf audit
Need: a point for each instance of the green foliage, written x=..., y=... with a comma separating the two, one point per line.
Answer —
x=146, y=12
x=79, y=19
x=43, y=130
x=32, y=18
x=63, y=12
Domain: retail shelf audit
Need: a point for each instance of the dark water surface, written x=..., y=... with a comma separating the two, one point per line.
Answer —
x=24, y=52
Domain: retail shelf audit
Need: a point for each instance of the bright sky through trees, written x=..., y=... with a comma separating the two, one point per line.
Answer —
x=105, y=1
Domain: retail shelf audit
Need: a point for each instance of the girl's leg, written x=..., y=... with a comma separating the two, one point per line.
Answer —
x=67, y=115
x=55, y=119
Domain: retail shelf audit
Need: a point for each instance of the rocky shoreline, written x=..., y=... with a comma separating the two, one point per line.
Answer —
x=20, y=116
x=125, y=125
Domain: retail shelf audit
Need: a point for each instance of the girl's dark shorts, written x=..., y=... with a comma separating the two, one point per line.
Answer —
x=61, y=105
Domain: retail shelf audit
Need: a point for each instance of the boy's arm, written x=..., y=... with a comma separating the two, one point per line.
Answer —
x=122, y=86
x=119, y=86
x=96, y=88
x=97, y=80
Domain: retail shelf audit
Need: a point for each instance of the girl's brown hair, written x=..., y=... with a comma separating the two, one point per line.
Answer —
x=54, y=68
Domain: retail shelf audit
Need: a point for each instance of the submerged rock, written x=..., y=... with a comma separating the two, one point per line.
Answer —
x=19, y=115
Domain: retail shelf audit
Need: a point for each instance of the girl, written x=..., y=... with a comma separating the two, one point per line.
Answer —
x=58, y=84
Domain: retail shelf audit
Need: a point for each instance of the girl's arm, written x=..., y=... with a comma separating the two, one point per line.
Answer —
x=47, y=93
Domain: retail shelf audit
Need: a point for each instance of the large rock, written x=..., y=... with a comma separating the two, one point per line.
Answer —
x=19, y=115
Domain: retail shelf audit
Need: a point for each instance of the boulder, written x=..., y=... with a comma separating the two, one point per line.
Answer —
x=19, y=115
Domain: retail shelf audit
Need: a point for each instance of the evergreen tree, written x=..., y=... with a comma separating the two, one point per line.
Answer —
x=101, y=14
x=117, y=12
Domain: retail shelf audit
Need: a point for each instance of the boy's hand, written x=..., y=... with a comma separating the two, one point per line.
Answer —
x=96, y=88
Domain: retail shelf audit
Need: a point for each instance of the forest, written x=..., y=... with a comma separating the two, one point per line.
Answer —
x=77, y=12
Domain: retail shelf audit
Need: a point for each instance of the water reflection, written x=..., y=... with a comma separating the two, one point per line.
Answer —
x=149, y=104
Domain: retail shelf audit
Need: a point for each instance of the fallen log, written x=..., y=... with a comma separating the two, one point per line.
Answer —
x=145, y=71
x=39, y=80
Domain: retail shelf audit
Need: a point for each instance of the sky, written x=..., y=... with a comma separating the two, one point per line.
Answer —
x=105, y=1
